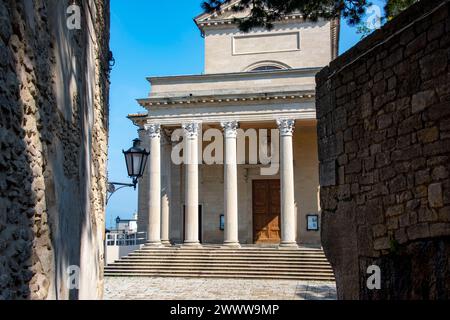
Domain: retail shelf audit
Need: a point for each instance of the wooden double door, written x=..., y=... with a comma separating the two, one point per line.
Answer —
x=266, y=212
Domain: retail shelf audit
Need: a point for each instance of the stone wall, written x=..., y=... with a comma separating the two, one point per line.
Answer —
x=384, y=150
x=53, y=140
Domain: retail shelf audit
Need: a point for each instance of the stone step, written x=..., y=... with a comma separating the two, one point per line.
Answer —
x=248, y=263
x=229, y=272
x=222, y=276
x=255, y=255
x=221, y=263
x=220, y=268
x=232, y=258
x=287, y=251
x=229, y=249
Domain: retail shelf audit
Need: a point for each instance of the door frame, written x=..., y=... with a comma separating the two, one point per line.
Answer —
x=252, y=181
x=200, y=220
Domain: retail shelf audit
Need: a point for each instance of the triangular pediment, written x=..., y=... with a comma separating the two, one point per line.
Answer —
x=226, y=13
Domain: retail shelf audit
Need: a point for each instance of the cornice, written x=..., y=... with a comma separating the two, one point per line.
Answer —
x=225, y=99
x=138, y=119
x=234, y=75
x=207, y=16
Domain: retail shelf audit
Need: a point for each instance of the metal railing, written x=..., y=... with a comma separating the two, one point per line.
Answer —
x=124, y=239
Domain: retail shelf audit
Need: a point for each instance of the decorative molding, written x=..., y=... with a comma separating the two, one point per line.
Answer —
x=233, y=76
x=263, y=63
x=286, y=126
x=230, y=128
x=153, y=130
x=335, y=34
x=166, y=137
x=238, y=43
x=191, y=129
x=162, y=102
x=139, y=120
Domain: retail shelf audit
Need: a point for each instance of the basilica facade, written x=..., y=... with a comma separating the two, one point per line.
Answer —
x=233, y=152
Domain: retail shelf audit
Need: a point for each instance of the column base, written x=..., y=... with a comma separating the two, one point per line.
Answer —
x=231, y=245
x=288, y=245
x=166, y=243
x=191, y=244
x=154, y=243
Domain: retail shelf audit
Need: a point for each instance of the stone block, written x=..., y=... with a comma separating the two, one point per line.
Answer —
x=422, y=100
x=392, y=223
x=428, y=135
x=387, y=173
x=382, y=243
x=397, y=184
x=439, y=229
x=421, y=192
x=382, y=159
x=344, y=192
x=423, y=177
x=418, y=231
x=444, y=214
x=426, y=214
x=435, y=197
x=354, y=166
x=437, y=111
x=395, y=210
x=379, y=230
x=374, y=211
x=384, y=121
x=404, y=220
x=419, y=43
x=328, y=174
x=440, y=147
x=436, y=30
x=401, y=236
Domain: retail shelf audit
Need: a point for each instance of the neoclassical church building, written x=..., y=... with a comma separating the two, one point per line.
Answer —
x=256, y=96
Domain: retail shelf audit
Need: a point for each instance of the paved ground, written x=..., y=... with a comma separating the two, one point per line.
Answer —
x=215, y=289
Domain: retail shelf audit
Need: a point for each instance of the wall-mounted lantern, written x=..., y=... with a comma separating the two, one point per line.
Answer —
x=135, y=160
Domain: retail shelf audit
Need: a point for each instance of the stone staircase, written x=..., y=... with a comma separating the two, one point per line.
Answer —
x=216, y=262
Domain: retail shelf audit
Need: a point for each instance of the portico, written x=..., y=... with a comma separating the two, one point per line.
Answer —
x=185, y=122
x=191, y=134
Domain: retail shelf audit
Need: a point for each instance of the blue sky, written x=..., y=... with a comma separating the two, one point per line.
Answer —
x=153, y=38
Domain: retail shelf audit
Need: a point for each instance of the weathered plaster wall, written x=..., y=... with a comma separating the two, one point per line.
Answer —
x=384, y=149
x=53, y=140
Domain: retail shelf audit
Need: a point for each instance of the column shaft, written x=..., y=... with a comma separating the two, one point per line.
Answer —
x=166, y=189
x=288, y=223
x=154, y=205
x=231, y=236
x=191, y=184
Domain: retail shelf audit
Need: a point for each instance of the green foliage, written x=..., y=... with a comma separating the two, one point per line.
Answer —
x=395, y=7
x=265, y=12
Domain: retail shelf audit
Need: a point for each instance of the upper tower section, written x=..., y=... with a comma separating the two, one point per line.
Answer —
x=293, y=43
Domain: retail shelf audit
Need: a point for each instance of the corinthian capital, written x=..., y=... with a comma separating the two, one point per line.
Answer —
x=191, y=130
x=230, y=128
x=286, y=126
x=153, y=130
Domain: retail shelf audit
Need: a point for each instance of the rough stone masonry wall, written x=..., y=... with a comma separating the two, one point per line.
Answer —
x=384, y=147
x=53, y=147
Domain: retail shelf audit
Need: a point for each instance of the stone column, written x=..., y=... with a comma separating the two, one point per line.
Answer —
x=166, y=149
x=231, y=187
x=154, y=169
x=288, y=223
x=191, y=184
